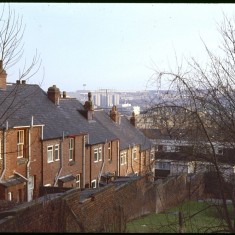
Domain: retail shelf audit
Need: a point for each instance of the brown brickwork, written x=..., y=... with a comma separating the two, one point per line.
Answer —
x=15, y=166
x=106, y=210
x=64, y=166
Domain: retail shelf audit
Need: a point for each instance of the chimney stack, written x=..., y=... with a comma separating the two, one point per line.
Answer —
x=114, y=114
x=89, y=107
x=133, y=120
x=53, y=93
x=88, y=104
x=3, y=77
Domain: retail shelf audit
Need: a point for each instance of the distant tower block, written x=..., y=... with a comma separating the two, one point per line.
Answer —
x=84, y=87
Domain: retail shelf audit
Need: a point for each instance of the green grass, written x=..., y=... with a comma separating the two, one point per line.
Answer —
x=197, y=217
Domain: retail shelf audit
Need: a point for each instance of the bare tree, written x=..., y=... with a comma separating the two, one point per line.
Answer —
x=11, y=53
x=199, y=105
x=15, y=96
x=11, y=43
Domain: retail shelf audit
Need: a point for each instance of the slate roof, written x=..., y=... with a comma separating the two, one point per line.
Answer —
x=125, y=131
x=27, y=100
x=97, y=133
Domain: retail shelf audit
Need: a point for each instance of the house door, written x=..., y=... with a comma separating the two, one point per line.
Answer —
x=30, y=188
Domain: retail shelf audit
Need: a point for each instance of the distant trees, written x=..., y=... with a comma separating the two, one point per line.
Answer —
x=199, y=106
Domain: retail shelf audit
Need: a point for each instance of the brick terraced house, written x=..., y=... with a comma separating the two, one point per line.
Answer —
x=48, y=139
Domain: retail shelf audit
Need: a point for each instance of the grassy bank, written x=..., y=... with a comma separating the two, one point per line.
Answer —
x=189, y=217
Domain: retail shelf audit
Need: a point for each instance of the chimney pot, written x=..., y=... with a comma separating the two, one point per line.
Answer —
x=64, y=94
x=23, y=81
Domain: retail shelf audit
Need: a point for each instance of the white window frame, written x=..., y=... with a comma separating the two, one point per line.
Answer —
x=123, y=158
x=97, y=154
x=134, y=154
x=78, y=180
x=71, y=149
x=93, y=182
x=20, y=143
x=110, y=150
x=152, y=153
x=9, y=196
x=100, y=154
x=57, y=152
x=50, y=151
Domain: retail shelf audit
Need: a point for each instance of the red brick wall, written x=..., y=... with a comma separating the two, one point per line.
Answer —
x=40, y=216
x=88, y=155
x=12, y=162
x=19, y=165
x=111, y=205
x=111, y=166
x=51, y=169
x=135, y=162
x=36, y=159
x=93, y=169
x=146, y=163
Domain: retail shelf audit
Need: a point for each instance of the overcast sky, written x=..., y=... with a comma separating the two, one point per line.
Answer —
x=113, y=45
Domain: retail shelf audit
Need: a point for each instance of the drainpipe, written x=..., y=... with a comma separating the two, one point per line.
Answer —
x=29, y=159
x=83, y=162
x=132, y=160
x=61, y=159
x=102, y=167
x=118, y=159
x=90, y=164
x=4, y=150
x=42, y=155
